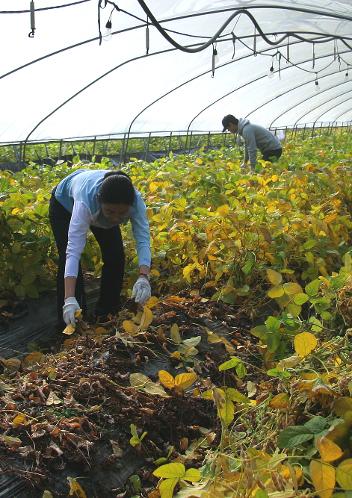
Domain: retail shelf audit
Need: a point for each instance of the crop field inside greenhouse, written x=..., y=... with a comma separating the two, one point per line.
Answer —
x=175, y=279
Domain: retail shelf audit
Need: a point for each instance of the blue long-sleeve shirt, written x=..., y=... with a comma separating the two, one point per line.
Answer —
x=78, y=193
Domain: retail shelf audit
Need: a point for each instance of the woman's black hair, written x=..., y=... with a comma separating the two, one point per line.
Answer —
x=117, y=188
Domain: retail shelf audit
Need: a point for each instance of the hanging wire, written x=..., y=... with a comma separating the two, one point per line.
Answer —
x=220, y=30
x=313, y=56
x=288, y=50
x=255, y=42
x=234, y=44
x=32, y=19
x=147, y=37
x=213, y=60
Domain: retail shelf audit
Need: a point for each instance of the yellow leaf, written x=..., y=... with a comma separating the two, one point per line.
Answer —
x=305, y=343
x=166, y=379
x=11, y=441
x=192, y=475
x=15, y=211
x=223, y=210
x=20, y=419
x=226, y=411
x=323, y=477
x=69, y=330
x=275, y=292
x=344, y=474
x=33, y=358
x=76, y=489
x=175, y=334
x=47, y=494
x=78, y=313
x=281, y=400
x=329, y=451
x=342, y=405
x=291, y=288
x=274, y=277
x=152, y=301
x=130, y=327
x=11, y=364
x=100, y=331
x=170, y=471
x=166, y=487
x=147, y=318
x=185, y=380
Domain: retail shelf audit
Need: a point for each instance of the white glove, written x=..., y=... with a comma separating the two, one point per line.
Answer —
x=69, y=308
x=141, y=290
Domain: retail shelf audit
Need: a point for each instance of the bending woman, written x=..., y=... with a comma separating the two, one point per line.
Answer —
x=100, y=200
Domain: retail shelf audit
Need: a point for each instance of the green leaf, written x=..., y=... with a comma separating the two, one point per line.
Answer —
x=241, y=370
x=261, y=494
x=249, y=264
x=279, y=373
x=229, y=364
x=313, y=287
x=192, y=475
x=316, y=424
x=259, y=331
x=170, y=471
x=167, y=487
x=294, y=436
x=300, y=298
x=272, y=323
x=227, y=411
x=235, y=395
x=134, y=430
x=273, y=341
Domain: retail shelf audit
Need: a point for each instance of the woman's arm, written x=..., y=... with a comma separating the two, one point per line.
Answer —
x=141, y=233
x=77, y=235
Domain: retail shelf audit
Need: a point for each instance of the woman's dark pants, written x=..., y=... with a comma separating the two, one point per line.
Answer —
x=112, y=252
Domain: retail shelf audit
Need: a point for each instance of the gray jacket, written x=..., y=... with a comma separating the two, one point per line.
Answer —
x=256, y=137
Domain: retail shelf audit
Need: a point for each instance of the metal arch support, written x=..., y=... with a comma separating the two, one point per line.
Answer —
x=242, y=86
x=189, y=81
x=298, y=103
x=342, y=113
x=321, y=103
x=287, y=91
x=88, y=86
x=335, y=105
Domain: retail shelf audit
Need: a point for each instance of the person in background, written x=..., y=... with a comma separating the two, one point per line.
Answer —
x=99, y=200
x=255, y=137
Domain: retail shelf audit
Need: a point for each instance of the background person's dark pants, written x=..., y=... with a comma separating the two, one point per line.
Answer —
x=113, y=256
x=272, y=155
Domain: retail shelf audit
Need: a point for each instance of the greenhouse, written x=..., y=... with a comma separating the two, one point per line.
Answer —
x=176, y=249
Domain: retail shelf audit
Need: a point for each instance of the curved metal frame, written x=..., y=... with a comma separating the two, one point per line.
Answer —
x=290, y=90
x=242, y=86
x=297, y=104
x=329, y=109
x=324, y=35
x=342, y=113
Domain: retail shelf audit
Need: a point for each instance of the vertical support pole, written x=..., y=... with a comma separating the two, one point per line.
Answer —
x=170, y=141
